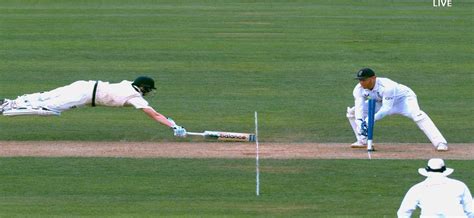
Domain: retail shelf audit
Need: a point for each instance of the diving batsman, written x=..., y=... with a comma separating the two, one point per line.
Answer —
x=89, y=93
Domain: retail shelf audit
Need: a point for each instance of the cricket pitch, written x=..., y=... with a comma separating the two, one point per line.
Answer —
x=228, y=150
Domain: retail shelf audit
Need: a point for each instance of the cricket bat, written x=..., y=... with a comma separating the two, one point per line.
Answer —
x=225, y=136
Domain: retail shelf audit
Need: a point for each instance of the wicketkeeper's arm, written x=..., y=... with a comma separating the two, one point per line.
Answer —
x=359, y=108
x=388, y=100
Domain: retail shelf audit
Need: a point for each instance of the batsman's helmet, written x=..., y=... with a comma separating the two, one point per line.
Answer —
x=146, y=83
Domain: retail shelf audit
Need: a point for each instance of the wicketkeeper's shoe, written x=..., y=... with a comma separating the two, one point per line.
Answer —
x=442, y=147
x=359, y=144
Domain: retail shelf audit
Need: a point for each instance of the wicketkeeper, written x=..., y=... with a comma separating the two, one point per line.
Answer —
x=391, y=98
x=89, y=93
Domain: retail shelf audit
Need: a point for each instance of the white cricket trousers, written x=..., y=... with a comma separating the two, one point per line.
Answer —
x=63, y=98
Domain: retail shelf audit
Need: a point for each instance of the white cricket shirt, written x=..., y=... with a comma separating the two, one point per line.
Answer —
x=438, y=196
x=385, y=91
x=119, y=94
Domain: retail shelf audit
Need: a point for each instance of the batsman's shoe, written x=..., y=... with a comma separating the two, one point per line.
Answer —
x=442, y=147
x=1, y=105
x=5, y=104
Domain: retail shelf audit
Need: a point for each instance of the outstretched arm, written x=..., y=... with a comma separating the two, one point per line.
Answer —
x=178, y=130
x=142, y=104
x=157, y=117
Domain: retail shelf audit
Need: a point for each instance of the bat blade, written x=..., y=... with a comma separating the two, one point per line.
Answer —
x=226, y=136
x=231, y=136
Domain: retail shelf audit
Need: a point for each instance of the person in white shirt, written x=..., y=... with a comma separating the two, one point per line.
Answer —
x=437, y=195
x=391, y=98
x=89, y=93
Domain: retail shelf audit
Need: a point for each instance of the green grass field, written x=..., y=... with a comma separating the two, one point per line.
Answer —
x=216, y=62
x=102, y=187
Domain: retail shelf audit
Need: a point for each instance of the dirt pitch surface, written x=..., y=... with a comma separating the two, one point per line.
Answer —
x=227, y=150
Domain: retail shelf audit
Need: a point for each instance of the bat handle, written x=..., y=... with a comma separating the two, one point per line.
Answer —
x=195, y=133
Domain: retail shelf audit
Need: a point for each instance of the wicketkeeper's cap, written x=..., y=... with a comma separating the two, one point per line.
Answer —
x=436, y=167
x=364, y=73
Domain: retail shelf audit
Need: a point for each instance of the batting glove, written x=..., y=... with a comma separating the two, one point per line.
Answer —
x=179, y=131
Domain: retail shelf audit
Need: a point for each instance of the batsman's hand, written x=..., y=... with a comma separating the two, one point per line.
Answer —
x=363, y=128
x=179, y=131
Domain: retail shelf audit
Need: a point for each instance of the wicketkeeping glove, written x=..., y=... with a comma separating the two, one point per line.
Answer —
x=363, y=129
x=179, y=131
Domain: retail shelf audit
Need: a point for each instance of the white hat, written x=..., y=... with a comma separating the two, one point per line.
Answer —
x=435, y=167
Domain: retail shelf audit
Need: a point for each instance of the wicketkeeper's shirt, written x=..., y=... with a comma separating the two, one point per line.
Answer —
x=385, y=91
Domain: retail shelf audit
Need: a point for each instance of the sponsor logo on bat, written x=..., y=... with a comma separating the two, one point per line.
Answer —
x=232, y=136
